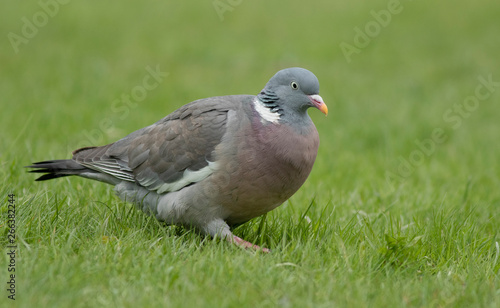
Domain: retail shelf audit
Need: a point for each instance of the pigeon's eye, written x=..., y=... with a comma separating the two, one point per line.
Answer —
x=294, y=85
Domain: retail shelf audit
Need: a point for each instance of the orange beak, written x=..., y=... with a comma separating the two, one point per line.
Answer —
x=318, y=102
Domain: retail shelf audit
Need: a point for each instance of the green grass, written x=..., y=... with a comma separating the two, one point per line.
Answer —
x=347, y=238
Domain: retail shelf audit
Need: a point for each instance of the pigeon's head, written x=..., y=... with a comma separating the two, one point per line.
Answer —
x=292, y=91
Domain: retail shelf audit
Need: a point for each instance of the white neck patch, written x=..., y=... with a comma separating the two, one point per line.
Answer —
x=265, y=112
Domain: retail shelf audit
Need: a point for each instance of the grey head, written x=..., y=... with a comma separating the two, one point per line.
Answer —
x=290, y=92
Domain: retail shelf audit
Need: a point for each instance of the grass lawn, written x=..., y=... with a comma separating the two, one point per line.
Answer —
x=402, y=208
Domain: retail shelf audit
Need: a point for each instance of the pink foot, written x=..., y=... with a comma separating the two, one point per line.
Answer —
x=247, y=245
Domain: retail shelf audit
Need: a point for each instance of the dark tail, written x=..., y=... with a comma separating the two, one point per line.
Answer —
x=56, y=168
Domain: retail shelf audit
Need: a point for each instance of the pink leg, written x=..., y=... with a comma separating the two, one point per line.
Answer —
x=247, y=245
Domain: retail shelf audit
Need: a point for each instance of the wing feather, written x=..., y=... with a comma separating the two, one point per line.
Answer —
x=173, y=153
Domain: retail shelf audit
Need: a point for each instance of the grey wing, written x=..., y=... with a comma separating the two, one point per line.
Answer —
x=168, y=155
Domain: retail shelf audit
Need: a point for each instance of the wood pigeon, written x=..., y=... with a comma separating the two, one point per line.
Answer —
x=215, y=162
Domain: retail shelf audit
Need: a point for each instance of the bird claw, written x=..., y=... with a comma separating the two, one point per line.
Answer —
x=247, y=245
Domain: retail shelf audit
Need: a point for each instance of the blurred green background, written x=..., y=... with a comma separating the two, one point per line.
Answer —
x=61, y=78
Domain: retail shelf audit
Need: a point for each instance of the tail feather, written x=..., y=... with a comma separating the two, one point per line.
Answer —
x=57, y=168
